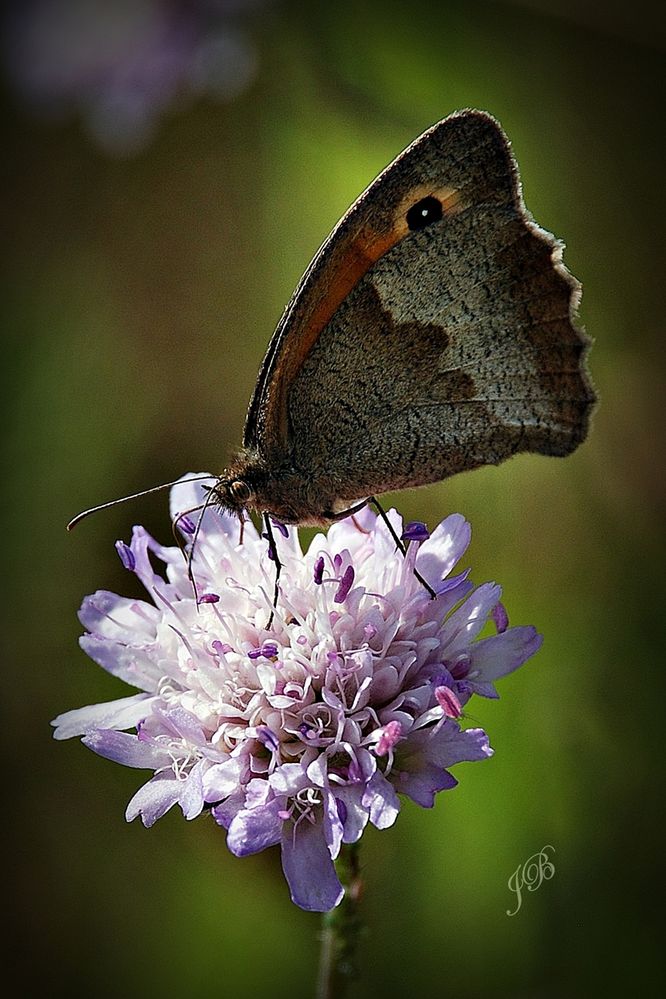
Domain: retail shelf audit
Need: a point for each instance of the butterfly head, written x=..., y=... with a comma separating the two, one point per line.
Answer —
x=233, y=493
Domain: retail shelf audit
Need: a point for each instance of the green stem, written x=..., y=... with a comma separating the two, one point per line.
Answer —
x=341, y=928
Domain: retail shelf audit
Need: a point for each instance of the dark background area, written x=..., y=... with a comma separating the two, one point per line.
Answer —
x=150, y=246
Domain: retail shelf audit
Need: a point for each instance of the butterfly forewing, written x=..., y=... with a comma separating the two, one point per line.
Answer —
x=464, y=159
x=433, y=332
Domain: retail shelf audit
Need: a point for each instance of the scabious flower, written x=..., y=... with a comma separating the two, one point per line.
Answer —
x=301, y=732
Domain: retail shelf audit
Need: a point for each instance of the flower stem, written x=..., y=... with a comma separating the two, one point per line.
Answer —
x=341, y=928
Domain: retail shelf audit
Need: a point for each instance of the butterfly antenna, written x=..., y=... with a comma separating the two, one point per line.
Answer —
x=123, y=499
x=399, y=543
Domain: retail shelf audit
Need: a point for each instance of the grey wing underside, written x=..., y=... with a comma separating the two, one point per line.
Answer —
x=458, y=348
x=466, y=153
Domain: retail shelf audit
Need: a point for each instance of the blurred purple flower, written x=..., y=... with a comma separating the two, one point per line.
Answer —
x=122, y=65
x=304, y=733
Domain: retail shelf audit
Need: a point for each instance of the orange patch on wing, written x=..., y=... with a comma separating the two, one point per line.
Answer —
x=365, y=250
x=360, y=254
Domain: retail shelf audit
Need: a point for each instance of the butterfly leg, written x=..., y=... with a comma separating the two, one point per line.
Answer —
x=399, y=543
x=349, y=512
x=272, y=549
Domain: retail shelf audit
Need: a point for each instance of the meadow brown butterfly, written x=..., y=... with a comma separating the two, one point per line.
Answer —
x=433, y=332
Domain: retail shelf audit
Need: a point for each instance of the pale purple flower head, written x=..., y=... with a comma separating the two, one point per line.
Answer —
x=301, y=733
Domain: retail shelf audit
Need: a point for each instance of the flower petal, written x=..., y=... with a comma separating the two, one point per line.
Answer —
x=422, y=785
x=191, y=795
x=123, y=713
x=222, y=779
x=121, y=747
x=501, y=654
x=253, y=829
x=131, y=663
x=445, y=546
x=380, y=797
x=308, y=867
x=153, y=800
x=467, y=621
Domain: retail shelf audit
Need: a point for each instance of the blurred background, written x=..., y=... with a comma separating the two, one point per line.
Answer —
x=169, y=170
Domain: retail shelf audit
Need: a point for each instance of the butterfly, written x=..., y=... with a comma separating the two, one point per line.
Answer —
x=434, y=331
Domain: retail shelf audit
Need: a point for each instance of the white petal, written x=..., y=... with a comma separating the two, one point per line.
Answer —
x=124, y=713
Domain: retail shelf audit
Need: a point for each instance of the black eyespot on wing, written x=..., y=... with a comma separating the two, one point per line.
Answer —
x=424, y=212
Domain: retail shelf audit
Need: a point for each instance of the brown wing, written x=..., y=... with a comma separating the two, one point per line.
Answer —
x=421, y=352
x=463, y=160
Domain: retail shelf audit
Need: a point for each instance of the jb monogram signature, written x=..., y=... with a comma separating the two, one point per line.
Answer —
x=536, y=869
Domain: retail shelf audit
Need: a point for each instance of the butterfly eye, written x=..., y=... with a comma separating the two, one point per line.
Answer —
x=424, y=212
x=240, y=490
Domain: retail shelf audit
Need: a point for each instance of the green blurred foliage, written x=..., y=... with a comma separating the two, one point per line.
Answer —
x=139, y=296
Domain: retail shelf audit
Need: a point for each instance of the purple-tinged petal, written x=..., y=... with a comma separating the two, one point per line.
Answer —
x=121, y=619
x=452, y=582
x=191, y=795
x=423, y=784
x=353, y=814
x=317, y=772
x=190, y=491
x=131, y=663
x=126, y=712
x=282, y=528
x=222, y=779
x=420, y=770
x=254, y=829
x=382, y=801
x=467, y=621
x=182, y=724
x=142, y=546
x=225, y=812
x=153, y=800
x=445, y=546
x=498, y=655
x=449, y=745
x=333, y=825
x=126, y=749
x=288, y=779
x=308, y=867
x=482, y=689
x=460, y=666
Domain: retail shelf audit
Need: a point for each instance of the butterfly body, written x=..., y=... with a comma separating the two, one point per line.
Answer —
x=433, y=332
